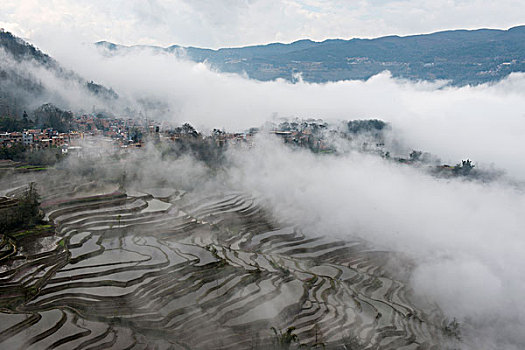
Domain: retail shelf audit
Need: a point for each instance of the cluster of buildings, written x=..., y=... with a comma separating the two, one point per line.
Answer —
x=127, y=133
x=34, y=139
x=122, y=131
x=96, y=126
x=305, y=136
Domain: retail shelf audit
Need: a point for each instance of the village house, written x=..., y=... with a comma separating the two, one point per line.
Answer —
x=27, y=139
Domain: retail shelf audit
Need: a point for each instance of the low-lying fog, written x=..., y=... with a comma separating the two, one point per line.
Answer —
x=484, y=123
x=467, y=238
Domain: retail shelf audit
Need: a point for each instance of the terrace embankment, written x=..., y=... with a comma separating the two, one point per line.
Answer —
x=164, y=269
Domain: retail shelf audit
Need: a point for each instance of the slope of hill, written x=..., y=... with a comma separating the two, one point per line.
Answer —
x=461, y=56
x=29, y=77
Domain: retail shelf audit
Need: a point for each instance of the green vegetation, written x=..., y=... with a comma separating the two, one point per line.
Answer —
x=10, y=124
x=17, y=152
x=286, y=339
x=464, y=168
x=32, y=167
x=44, y=157
x=100, y=90
x=36, y=159
x=204, y=149
x=21, y=49
x=50, y=116
x=366, y=126
x=35, y=231
x=463, y=57
x=22, y=213
x=19, y=89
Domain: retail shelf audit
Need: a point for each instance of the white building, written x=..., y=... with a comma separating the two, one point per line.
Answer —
x=27, y=139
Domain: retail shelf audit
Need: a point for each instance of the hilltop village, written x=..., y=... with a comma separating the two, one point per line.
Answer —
x=128, y=133
x=64, y=133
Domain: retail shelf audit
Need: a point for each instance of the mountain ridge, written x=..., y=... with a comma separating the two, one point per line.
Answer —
x=511, y=29
x=23, y=88
x=460, y=56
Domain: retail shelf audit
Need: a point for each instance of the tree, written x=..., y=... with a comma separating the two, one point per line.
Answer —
x=415, y=156
x=218, y=132
x=25, y=119
x=24, y=214
x=50, y=116
x=16, y=152
x=464, y=168
x=360, y=126
x=136, y=135
x=189, y=130
x=29, y=203
x=10, y=124
x=285, y=340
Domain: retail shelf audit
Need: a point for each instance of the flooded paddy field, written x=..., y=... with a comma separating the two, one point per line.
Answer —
x=161, y=268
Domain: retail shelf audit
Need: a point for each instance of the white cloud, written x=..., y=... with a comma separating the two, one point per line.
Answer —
x=241, y=22
x=484, y=123
x=465, y=238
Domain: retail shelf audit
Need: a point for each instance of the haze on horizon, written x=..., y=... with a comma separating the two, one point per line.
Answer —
x=233, y=23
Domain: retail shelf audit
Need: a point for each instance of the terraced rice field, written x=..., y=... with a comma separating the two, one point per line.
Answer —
x=163, y=269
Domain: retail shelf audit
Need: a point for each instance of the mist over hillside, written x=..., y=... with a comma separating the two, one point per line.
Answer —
x=459, y=56
x=153, y=83
x=263, y=225
x=30, y=78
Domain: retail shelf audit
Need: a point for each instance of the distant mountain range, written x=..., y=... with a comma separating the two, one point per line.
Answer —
x=460, y=56
x=29, y=77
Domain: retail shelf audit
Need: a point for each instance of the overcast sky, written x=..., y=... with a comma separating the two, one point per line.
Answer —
x=221, y=23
